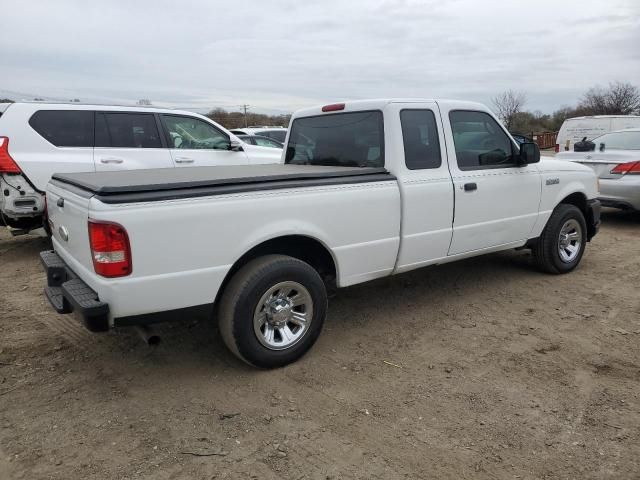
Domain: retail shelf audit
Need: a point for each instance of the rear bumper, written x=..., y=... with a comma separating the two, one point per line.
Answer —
x=593, y=217
x=18, y=199
x=68, y=294
x=622, y=192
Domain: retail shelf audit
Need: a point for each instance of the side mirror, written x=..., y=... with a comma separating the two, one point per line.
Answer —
x=235, y=146
x=529, y=153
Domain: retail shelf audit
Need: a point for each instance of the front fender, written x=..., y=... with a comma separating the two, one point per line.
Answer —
x=558, y=185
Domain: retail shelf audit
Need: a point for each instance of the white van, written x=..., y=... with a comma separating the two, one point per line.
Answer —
x=40, y=139
x=575, y=129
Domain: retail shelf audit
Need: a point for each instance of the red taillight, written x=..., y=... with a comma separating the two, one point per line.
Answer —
x=557, y=148
x=334, y=107
x=7, y=164
x=627, y=168
x=110, y=249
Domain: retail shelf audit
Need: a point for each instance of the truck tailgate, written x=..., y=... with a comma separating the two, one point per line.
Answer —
x=68, y=215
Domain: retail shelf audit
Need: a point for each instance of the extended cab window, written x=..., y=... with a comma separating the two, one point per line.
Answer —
x=420, y=137
x=64, y=128
x=340, y=139
x=480, y=142
x=190, y=133
x=127, y=130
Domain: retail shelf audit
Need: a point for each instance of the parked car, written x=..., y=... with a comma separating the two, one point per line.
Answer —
x=278, y=134
x=39, y=139
x=576, y=129
x=520, y=138
x=260, y=140
x=368, y=189
x=616, y=161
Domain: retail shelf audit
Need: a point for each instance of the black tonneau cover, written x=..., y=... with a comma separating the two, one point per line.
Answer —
x=125, y=186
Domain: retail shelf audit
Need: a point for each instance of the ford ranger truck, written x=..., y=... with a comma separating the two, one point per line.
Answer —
x=367, y=189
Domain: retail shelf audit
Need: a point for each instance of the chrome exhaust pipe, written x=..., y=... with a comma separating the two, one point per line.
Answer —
x=148, y=335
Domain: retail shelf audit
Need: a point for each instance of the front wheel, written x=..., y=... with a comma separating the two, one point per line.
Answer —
x=272, y=311
x=562, y=242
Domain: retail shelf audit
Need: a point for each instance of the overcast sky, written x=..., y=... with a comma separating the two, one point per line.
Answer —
x=280, y=55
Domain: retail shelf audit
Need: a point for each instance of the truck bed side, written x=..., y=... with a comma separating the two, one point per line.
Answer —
x=175, y=264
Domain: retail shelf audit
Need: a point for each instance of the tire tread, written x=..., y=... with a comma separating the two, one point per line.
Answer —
x=239, y=283
x=543, y=250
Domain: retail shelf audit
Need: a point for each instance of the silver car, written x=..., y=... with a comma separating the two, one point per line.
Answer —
x=616, y=161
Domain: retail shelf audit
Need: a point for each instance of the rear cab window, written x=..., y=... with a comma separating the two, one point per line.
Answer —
x=349, y=139
x=64, y=128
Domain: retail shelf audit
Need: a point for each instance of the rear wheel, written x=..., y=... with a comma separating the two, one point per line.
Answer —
x=272, y=311
x=562, y=242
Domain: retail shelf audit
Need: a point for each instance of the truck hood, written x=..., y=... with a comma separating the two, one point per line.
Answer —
x=549, y=164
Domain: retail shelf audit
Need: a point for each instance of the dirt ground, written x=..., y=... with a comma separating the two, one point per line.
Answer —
x=482, y=369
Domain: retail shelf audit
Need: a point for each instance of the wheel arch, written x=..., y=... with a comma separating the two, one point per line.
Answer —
x=579, y=200
x=303, y=247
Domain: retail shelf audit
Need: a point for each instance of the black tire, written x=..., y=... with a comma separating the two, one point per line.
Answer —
x=240, y=300
x=546, y=252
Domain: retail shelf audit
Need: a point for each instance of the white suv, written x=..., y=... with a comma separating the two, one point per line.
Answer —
x=40, y=139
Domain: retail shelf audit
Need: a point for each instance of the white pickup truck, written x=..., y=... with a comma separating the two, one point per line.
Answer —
x=367, y=189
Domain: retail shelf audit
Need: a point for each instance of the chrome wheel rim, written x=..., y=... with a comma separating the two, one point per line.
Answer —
x=570, y=241
x=283, y=315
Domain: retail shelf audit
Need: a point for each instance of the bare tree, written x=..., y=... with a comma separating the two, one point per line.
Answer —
x=144, y=102
x=624, y=98
x=508, y=104
x=619, y=99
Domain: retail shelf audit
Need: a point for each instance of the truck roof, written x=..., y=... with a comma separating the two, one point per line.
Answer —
x=380, y=103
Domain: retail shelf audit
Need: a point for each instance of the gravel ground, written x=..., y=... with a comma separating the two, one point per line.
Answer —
x=483, y=368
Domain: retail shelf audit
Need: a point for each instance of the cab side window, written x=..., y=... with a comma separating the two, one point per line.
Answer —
x=189, y=133
x=420, y=137
x=480, y=142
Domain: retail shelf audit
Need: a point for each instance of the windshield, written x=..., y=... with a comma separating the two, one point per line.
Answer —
x=619, y=140
x=343, y=139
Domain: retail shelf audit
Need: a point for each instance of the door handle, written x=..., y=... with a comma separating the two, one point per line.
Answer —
x=111, y=160
x=470, y=187
x=184, y=160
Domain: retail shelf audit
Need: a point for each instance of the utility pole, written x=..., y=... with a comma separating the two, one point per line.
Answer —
x=245, y=114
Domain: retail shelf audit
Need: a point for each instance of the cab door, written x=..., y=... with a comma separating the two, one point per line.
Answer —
x=496, y=199
x=196, y=143
x=424, y=182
